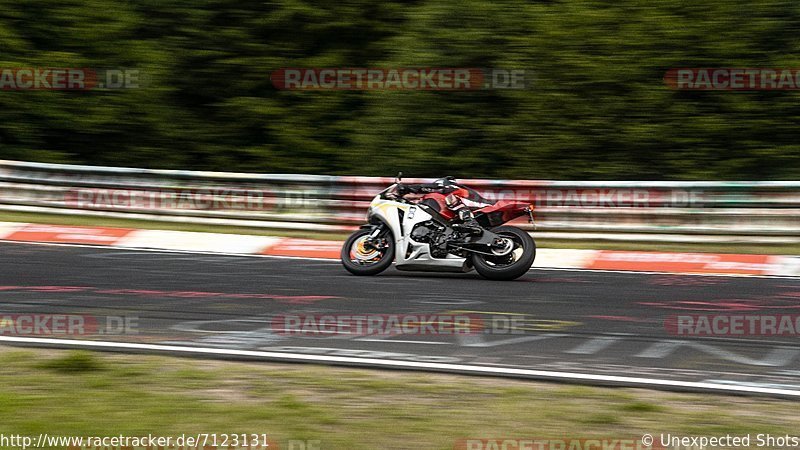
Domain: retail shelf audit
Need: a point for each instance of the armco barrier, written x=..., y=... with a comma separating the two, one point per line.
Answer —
x=765, y=212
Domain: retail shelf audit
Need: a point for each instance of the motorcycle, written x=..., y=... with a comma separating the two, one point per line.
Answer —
x=441, y=226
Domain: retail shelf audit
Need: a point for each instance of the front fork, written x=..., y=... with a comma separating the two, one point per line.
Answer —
x=373, y=240
x=375, y=232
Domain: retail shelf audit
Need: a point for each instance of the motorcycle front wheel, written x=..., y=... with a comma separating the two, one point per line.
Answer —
x=360, y=257
x=508, y=263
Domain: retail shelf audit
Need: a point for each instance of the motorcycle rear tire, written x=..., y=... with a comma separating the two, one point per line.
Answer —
x=493, y=271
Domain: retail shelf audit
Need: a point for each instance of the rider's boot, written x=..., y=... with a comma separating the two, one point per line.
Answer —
x=468, y=222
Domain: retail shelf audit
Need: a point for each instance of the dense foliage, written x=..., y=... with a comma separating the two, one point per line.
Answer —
x=598, y=107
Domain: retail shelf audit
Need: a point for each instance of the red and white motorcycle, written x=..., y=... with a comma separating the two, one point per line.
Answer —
x=440, y=226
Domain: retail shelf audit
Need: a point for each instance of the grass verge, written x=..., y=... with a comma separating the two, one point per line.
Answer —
x=102, y=394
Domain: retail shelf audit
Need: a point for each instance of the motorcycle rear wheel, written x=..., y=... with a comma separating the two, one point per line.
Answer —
x=359, y=258
x=512, y=265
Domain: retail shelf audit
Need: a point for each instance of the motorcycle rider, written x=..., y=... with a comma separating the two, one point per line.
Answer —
x=446, y=197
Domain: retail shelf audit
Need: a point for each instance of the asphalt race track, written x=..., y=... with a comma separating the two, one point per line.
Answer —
x=603, y=323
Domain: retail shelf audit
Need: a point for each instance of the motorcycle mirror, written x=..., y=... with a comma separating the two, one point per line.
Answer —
x=399, y=177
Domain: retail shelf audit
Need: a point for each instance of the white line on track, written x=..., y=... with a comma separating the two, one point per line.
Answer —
x=413, y=365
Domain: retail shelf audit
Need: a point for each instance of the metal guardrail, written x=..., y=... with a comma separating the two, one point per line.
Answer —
x=696, y=211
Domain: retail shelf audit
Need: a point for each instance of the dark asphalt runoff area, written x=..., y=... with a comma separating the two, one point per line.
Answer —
x=607, y=323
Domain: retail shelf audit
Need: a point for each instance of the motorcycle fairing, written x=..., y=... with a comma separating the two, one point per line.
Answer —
x=409, y=254
x=501, y=212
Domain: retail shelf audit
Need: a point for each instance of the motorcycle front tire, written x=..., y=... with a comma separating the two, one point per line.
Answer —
x=366, y=269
